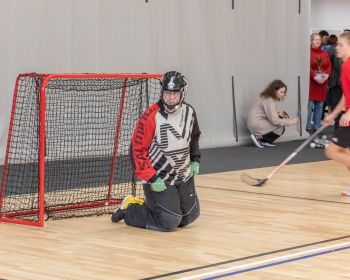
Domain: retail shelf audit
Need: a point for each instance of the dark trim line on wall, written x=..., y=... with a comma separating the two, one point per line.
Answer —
x=235, y=130
x=299, y=109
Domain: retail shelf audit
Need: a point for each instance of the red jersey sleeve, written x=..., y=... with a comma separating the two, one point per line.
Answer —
x=140, y=142
x=345, y=82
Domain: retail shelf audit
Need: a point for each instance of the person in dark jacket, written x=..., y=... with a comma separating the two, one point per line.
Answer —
x=334, y=91
x=166, y=156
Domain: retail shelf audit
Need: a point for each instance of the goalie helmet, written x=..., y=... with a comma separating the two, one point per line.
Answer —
x=174, y=82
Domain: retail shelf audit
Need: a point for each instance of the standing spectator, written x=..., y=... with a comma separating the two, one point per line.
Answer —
x=166, y=155
x=339, y=149
x=325, y=45
x=333, y=39
x=265, y=123
x=327, y=106
x=320, y=69
x=334, y=91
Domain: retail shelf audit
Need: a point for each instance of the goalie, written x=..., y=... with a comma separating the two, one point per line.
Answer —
x=166, y=155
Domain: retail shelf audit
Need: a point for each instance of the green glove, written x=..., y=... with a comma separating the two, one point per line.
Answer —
x=158, y=185
x=194, y=169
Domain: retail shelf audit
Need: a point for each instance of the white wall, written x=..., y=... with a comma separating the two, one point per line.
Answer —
x=258, y=41
x=331, y=15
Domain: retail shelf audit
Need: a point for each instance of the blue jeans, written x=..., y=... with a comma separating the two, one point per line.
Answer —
x=314, y=113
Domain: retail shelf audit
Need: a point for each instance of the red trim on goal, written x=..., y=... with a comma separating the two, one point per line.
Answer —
x=19, y=217
x=5, y=168
x=20, y=222
x=11, y=217
x=107, y=76
x=116, y=140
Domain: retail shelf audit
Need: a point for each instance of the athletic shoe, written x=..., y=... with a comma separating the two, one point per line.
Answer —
x=256, y=141
x=346, y=192
x=310, y=131
x=119, y=213
x=267, y=144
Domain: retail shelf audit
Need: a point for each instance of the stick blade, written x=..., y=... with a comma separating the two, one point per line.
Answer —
x=252, y=181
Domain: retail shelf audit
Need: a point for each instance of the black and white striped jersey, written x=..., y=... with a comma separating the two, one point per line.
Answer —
x=163, y=145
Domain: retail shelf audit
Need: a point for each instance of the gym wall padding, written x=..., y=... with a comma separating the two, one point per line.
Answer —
x=207, y=40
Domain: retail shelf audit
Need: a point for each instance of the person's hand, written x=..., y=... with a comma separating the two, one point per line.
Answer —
x=295, y=120
x=345, y=119
x=318, y=79
x=283, y=115
x=158, y=185
x=328, y=119
x=325, y=77
x=194, y=169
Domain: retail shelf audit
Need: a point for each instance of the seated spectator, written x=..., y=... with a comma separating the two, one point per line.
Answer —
x=265, y=122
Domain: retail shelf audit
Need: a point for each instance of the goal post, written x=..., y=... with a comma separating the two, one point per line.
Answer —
x=68, y=144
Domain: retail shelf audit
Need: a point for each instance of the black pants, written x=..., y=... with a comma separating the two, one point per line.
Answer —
x=342, y=137
x=177, y=206
x=271, y=137
x=334, y=96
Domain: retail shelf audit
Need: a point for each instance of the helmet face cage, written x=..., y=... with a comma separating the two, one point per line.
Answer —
x=174, y=81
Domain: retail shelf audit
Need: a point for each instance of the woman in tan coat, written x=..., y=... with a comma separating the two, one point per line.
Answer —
x=265, y=122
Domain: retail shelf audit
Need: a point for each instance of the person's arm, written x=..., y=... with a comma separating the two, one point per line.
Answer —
x=328, y=69
x=195, y=153
x=345, y=83
x=270, y=108
x=312, y=69
x=140, y=142
x=312, y=73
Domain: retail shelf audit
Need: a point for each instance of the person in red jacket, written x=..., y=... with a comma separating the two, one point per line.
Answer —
x=320, y=69
x=338, y=150
x=166, y=156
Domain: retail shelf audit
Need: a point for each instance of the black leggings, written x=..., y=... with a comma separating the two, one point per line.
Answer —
x=177, y=206
x=271, y=137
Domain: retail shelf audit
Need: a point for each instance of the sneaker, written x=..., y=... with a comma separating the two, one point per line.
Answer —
x=119, y=213
x=346, y=192
x=310, y=131
x=267, y=144
x=256, y=141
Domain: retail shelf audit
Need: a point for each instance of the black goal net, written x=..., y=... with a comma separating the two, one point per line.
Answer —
x=68, y=144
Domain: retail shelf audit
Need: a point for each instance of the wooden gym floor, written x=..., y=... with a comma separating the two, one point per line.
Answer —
x=295, y=227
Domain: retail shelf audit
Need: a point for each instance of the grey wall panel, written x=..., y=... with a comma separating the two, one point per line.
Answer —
x=207, y=40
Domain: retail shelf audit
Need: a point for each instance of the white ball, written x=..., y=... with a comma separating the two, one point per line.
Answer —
x=312, y=145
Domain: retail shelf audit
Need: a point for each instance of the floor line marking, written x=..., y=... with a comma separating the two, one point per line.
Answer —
x=259, y=255
x=273, y=195
x=277, y=263
x=264, y=261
